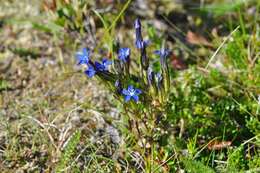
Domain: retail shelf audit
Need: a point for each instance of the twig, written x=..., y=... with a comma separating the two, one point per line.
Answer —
x=164, y=162
x=221, y=45
x=46, y=130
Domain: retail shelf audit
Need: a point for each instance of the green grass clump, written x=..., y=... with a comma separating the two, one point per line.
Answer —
x=66, y=157
x=4, y=85
x=196, y=167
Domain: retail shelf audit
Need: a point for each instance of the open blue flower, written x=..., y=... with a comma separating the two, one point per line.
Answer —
x=124, y=54
x=104, y=65
x=83, y=56
x=90, y=72
x=131, y=92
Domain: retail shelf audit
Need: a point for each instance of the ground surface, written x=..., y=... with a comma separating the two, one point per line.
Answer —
x=45, y=99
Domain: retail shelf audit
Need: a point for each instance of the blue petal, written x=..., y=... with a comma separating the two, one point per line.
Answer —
x=122, y=58
x=157, y=52
x=90, y=72
x=166, y=52
x=127, y=51
x=83, y=56
x=99, y=66
x=117, y=83
x=141, y=44
x=130, y=87
x=85, y=51
x=79, y=58
x=138, y=44
x=146, y=42
x=137, y=23
x=150, y=74
x=121, y=51
x=106, y=62
x=135, y=97
x=125, y=92
x=124, y=51
x=138, y=91
x=127, y=98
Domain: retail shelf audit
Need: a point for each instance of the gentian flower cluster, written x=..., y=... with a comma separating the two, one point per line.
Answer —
x=83, y=57
x=146, y=85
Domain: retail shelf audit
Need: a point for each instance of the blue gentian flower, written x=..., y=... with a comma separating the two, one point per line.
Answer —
x=83, y=56
x=138, y=44
x=104, y=65
x=130, y=92
x=137, y=23
x=162, y=52
x=118, y=86
x=138, y=34
x=90, y=72
x=144, y=58
x=150, y=75
x=117, y=83
x=124, y=54
x=144, y=44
